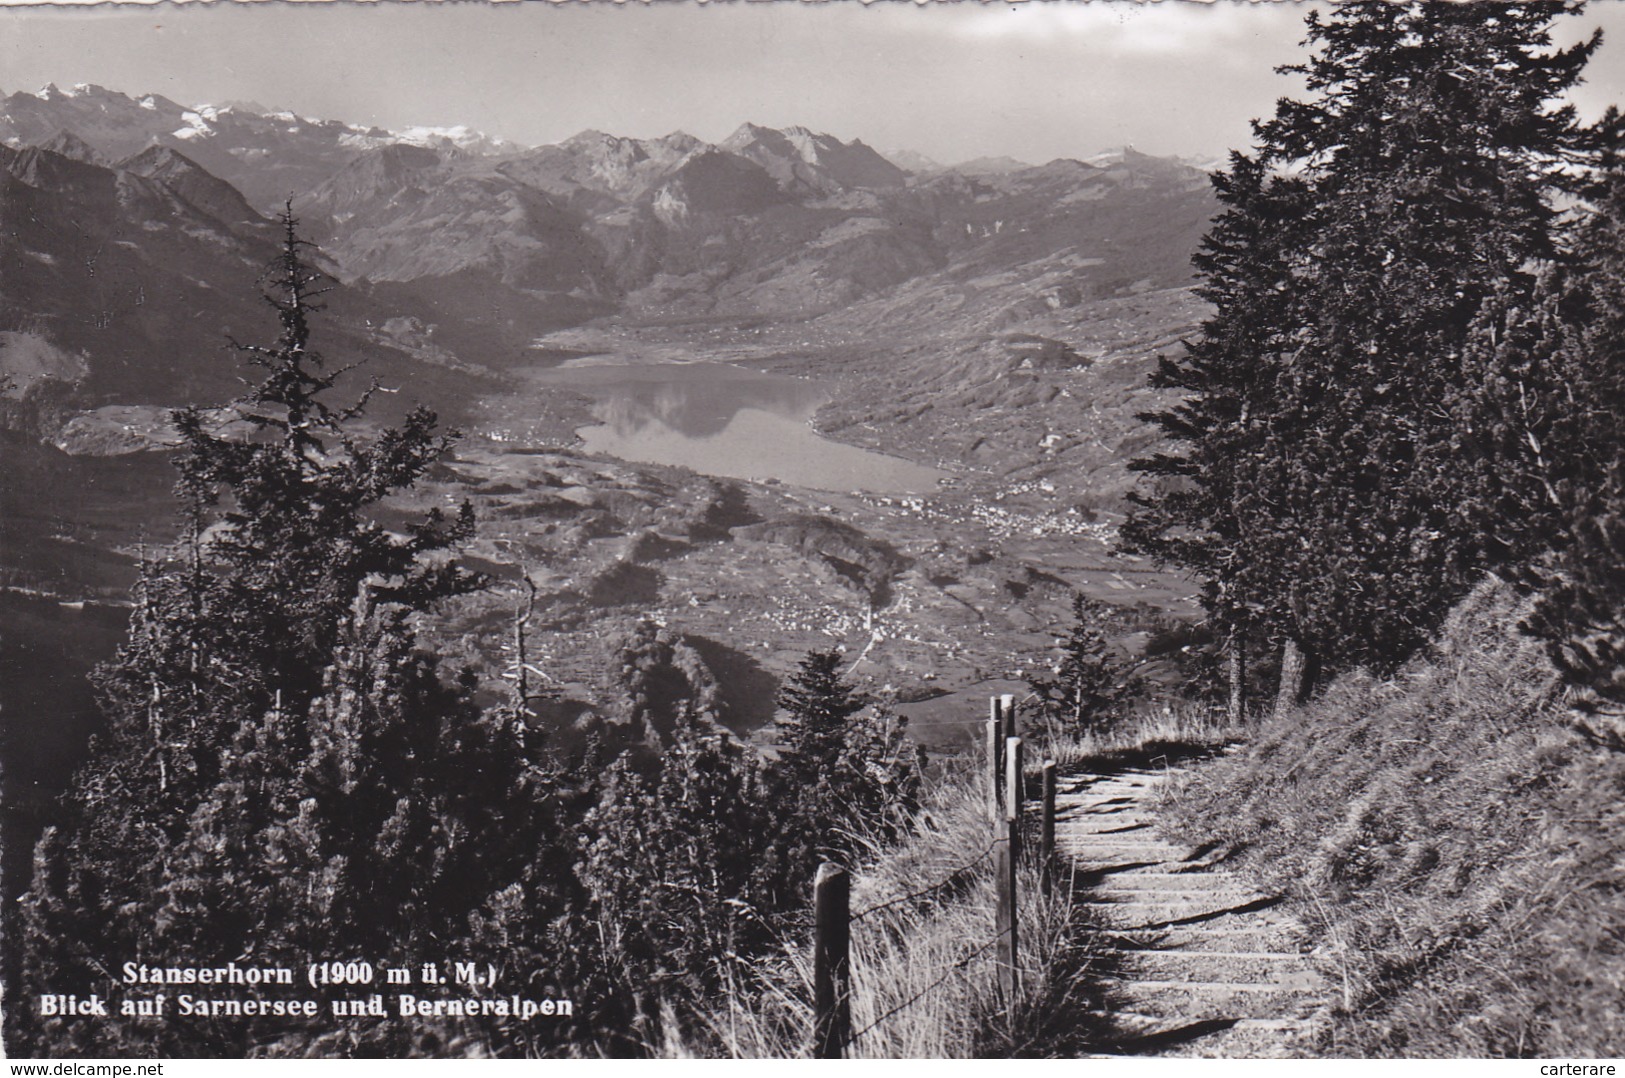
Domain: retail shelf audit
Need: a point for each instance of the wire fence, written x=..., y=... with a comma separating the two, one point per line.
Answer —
x=953, y=878
x=833, y=917
x=956, y=967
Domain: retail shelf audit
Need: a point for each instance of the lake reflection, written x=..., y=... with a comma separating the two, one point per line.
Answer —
x=729, y=421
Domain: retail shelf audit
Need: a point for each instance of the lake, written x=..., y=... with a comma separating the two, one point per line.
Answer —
x=729, y=421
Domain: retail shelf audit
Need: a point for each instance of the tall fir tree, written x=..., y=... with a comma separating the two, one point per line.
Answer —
x=1200, y=512
x=1088, y=681
x=818, y=708
x=846, y=771
x=283, y=776
x=1576, y=460
x=1423, y=168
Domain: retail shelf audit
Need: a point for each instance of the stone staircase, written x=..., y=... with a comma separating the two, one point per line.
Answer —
x=1196, y=961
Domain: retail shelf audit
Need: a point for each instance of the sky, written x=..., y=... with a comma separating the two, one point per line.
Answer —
x=1032, y=80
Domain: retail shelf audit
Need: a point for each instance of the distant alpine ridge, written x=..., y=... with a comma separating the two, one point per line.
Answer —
x=142, y=224
x=267, y=154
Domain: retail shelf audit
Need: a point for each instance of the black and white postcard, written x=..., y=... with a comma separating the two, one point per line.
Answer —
x=891, y=530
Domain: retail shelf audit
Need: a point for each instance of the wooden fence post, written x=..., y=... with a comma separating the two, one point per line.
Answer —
x=832, y=990
x=1006, y=866
x=1046, y=834
x=1014, y=786
x=1007, y=704
x=1004, y=927
x=995, y=763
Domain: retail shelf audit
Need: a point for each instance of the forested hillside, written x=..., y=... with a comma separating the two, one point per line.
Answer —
x=1411, y=381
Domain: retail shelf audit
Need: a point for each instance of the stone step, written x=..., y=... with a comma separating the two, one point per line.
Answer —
x=1090, y=827
x=1134, y=1020
x=1138, y=987
x=1120, y=849
x=1138, y=1033
x=1192, y=884
x=1118, y=805
x=1209, y=897
x=1215, y=956
x=1144, y=782
x=1140, y=916
x=1139, y=875
x=1099, y=805
x=1115, y=789
x=1123, y=857
x=1158, y=924
x=1147, y=906
x=1258, y=966
x=1128, y=789
x=1142, y=856
x=1123, y=850
x=1121, y=867
x=1206, y=937
x=1215, y=897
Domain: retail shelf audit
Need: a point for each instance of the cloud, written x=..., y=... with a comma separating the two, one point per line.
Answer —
x=1162, y=28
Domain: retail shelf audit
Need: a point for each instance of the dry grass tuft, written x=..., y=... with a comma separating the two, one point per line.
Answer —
x=1146, y=737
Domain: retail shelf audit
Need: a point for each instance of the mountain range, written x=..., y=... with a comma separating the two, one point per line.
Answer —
x=138, y=226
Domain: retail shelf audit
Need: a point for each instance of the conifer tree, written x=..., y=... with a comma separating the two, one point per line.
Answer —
x=1346, y=344
x=1202, y=510
x=283, y=775
x=1088, y=681
x=1581, y=610
x=1574, y=459
x=818, y=706
x=846, y=769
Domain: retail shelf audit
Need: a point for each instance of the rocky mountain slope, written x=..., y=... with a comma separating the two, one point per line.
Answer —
x=269, y=156
x=124, y=282
x=764, y=223
x=803, y=161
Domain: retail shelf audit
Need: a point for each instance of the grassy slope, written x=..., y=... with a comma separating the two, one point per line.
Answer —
x=924, y=978
x=1455, y=843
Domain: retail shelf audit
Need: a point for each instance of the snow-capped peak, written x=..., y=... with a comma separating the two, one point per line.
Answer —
x=461, y=135
x=197, y=123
